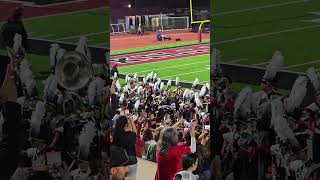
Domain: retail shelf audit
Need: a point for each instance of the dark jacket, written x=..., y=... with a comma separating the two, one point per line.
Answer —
x=8, y=31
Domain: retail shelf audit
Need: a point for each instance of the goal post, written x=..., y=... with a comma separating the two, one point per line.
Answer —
x=201, y=22
x=167, y=23
x=118, y=28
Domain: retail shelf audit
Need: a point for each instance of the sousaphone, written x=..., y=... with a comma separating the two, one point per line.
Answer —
x=73, y=70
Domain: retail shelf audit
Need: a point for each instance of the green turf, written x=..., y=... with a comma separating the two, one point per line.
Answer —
x=69, y=27
x=187, y=69
x=251, y=36
x=148, y=48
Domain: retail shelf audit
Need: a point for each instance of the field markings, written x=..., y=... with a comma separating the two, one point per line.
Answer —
x=172, y=67
x=261, y=64
x=46, y=36
x=260, y=7
x=193, y=72
x=236, y=60
x=302, y=64
x=78, y=36
x=99, y=44
x=266, y=34
x=62, y=14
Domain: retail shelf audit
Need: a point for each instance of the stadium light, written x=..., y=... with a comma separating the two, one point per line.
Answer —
x=129, y=5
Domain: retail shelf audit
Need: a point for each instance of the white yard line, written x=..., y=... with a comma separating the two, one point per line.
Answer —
x=100, y=44
x=260, y=7
x=61, y=14
x=303, y=64
x=169, y=67
x=235, y=60
x=46, y=36
x=266, y=34
x=311, y=21
x=314, y=13
x=193, y=72
x=78, y=36
x=260, y=64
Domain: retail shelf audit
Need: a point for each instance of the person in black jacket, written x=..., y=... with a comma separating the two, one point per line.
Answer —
x=12, y=128
x=14, y=25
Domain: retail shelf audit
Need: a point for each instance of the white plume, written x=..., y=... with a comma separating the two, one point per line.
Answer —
x=60, y=53
x=17, y=42
x=83, y=48
x=140, y=90
x=115, y=75
x=36, y=118
x=195, y=82
x=154, y=76
x=203, y=91
x=50, y=87
x=21, y=100
x=242, y=104
x=297, y=94
x=125, y=89
x=86, y=136
x=27, y=79
x=25, y=63
x=313, y=75
x=137, y=104
x=274, y=66
x=118, y=86
x=121, y=98
x=144, y=80
x=135, y=76
x=151, y=75
x=177, y=81
x=92, y=92
x=197, y=100
x=127, y=79
x=185, y=93
x=161, y=86
x=156, y=86
x=159, y=80
x=279, y=123
x=169, y=83
x=208, y=86
x=148, y=77
x=100, y=85
x=53, y=52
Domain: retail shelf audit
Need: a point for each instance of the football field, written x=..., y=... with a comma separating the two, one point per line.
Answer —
x=185, y=58
x=248, y=32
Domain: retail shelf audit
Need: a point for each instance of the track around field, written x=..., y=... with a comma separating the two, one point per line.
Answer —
x=126, y=41
x=159, y=55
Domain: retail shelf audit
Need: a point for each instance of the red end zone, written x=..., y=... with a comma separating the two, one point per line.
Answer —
x=160, y=55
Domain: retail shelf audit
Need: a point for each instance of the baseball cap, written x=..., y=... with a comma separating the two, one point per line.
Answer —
x=119, y=157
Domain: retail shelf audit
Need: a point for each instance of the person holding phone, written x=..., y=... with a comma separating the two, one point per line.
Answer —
x=169, y=153
x=125, y=134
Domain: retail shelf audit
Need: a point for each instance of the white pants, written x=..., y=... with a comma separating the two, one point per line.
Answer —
x=133, y=171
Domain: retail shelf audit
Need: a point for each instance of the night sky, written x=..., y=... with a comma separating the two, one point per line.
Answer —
x=159, y=3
